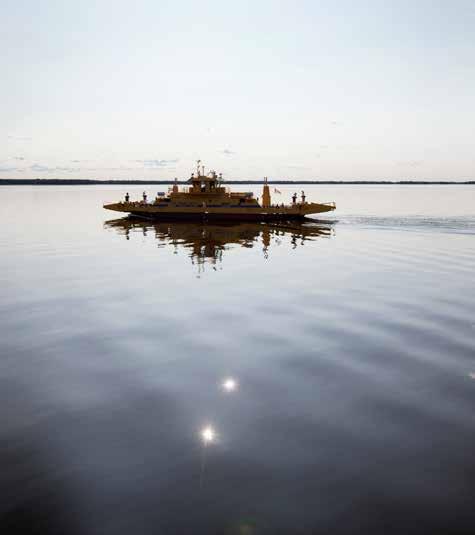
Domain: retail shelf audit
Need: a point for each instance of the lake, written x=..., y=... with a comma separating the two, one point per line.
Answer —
x=347, y=344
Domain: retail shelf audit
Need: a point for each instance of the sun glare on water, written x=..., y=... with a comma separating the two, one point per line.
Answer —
x=208, y=434
x=229, y=384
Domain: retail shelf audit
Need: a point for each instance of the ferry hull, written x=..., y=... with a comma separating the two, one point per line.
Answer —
x=299, y=211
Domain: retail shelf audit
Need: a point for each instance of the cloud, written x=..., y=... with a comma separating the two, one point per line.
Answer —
x=39, y=168
x=19, y=138
x=120, y=168
x=67, y=169
x=155, y=164
x=228, y=152
x=297, y=167
x=18, y=158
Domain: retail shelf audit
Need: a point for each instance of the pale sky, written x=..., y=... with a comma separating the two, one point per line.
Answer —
x=288, y=89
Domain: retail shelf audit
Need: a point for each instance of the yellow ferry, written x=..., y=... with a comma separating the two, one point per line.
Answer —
x=207, y=198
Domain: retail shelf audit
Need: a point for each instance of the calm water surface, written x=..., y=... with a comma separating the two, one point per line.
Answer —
x=352, y=342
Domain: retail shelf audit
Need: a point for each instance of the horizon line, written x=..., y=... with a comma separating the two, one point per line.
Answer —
x=85, y=181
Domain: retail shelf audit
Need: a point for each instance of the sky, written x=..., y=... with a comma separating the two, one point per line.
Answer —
x=317, y=90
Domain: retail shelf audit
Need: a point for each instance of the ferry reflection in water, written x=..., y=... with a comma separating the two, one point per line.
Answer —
x=208, y=241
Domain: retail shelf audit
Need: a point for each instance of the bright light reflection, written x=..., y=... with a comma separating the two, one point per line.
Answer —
x=230, y=384
x=471, y=375
x=208, y=434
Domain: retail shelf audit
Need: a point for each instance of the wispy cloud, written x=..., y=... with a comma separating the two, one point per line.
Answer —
x=120, y=168
x=39, y=168
x=19, y=138
x=228, y=152
x=155, y=164
x=301, y=167
x=67, y=169
x=7, y=166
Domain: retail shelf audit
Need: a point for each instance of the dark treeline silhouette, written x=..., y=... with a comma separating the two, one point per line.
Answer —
x=87, y=182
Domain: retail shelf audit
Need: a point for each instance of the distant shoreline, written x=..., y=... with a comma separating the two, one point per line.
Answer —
x=86, y=182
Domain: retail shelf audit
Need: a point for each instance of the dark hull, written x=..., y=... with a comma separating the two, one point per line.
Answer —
x=218, y=217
